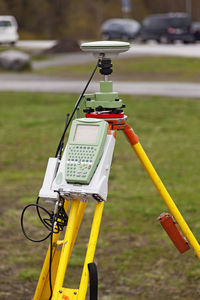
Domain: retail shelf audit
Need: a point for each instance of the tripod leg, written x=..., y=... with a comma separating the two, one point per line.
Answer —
x=43, y=289
x=161, y=188
x=66, y=249
x=80, y=213
x=91, y=249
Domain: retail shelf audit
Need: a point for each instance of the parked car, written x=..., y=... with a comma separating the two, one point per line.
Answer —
x=8, y=30
x=120, y=29
x=196, y=30
x=166, y=28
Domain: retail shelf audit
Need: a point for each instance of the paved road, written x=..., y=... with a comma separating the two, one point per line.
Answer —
x=179, y=49
x=152, y=49
x=33, y=44
x=20, y=82
x=35, y=83
x=64, y=59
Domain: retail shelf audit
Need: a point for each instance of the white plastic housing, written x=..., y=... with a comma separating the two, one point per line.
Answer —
x=97, y=188
x=47, y=193
x=110, y=49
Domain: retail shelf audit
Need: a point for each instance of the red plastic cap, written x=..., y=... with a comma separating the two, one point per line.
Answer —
x=173, y=232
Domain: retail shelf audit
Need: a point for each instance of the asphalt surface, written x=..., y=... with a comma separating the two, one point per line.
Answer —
x=35, y=83
x=154, y=49
x=34, y=44
x=39, y=83
x=64, y=59
x=151, y=49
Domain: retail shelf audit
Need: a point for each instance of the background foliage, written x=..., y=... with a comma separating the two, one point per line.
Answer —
x=81, y=18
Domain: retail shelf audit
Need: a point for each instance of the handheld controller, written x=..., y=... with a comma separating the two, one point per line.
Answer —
x=84, y=168
x=84, y=149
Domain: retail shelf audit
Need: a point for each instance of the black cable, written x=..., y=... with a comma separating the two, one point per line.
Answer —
x=22, y=222
x=55, y=224
x=60, y=218
x=75, y=108
x=48, y=226
x=61, y=143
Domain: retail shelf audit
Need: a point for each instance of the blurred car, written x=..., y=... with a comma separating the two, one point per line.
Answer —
x=14, y=60
x=8, y=30
x=196, y=30
x=120, y=29
x=167, y=28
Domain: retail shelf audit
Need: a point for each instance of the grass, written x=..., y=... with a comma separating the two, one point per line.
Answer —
x=137, y=69
x=135, y=258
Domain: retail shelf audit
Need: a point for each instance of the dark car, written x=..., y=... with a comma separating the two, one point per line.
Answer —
x=120, y=29
x=196, y=30
x=167, y=28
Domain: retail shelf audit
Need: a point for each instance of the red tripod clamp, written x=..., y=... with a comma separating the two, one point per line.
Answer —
x=169, y=225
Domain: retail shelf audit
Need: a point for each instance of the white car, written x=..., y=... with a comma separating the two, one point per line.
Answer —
x=8, y=30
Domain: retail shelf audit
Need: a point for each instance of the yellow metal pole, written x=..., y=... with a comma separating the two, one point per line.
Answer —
x=45, y=268
x=79, y=218
x=166, y=197
x=45, y=271
x=66, y=250
x=91, y=249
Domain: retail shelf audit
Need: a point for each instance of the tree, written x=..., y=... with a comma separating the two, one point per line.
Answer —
x=82, y=19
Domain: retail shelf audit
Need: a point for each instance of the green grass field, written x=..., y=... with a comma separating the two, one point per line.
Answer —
x=137, y=69
x=135, y=258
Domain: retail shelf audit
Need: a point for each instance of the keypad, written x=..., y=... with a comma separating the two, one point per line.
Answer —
x=79, y=161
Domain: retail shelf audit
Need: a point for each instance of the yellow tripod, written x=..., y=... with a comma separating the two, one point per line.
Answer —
x=63, y=249
x=105, y=105
x=61, y=254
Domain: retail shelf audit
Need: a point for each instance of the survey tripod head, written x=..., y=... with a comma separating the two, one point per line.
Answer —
x=105, y=101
